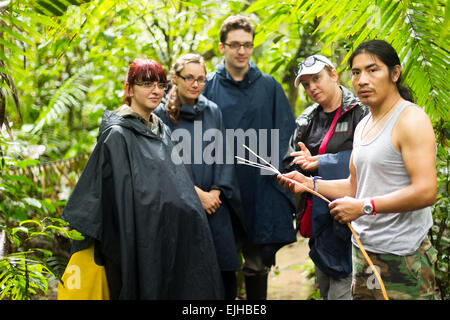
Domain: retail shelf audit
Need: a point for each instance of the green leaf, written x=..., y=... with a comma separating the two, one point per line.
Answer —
x=46, y=252
x=19, y=229
x=4, y=278
x=31, y=222
x=55, y=228
x=38, y=234
x=259, y=5
x=16, y=35
x=62, y=100
x=49, y=8
x=58, y=221
x=12, y=47
x=276, y=66
x=75, y=235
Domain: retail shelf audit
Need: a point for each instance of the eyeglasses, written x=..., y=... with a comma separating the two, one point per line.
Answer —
x=190, y=79
x=237, y=46
x=309, y=62
x=153, y=85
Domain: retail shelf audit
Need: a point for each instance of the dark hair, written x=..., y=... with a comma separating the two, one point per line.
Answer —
x=143, y=70
x=235, y=23
x=387, y=54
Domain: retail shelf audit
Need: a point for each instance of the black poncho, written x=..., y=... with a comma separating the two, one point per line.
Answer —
x=145, y=216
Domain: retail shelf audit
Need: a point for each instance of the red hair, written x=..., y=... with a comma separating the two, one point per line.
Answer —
x=143, y=70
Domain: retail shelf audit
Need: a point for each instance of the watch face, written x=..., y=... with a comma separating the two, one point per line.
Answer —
x=368, y=209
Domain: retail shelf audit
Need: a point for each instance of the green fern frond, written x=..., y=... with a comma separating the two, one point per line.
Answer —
x=22, y=27
x=55, y=7
x=72, y=93
x=416, y=29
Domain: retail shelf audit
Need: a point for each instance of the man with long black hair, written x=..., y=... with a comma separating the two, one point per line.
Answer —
x=392, y=181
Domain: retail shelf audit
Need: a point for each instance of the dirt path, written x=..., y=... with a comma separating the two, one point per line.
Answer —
x=287, y=279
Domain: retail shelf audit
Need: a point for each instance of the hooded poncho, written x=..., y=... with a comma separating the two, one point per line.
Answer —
x=195, y=122
x=258, y=103
x=144, y=215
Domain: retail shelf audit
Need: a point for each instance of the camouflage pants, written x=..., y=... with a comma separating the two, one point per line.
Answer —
x=405, y=277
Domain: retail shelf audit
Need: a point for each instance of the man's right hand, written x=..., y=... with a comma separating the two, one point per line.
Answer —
x=295, y=182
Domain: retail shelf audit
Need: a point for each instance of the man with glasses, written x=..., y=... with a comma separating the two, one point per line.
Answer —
x=252, y=101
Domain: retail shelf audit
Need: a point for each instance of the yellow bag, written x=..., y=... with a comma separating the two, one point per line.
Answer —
x=83, y=279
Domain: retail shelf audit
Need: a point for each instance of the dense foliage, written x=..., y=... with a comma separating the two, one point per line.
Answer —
x=62, y=64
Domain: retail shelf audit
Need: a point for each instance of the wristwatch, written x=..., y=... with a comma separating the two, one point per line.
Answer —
x=369, y=207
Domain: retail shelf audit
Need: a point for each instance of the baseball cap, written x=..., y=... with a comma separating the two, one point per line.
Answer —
x=312, y=65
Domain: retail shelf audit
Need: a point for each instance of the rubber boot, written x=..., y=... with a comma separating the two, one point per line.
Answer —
x=256, y=287
x=229, y=284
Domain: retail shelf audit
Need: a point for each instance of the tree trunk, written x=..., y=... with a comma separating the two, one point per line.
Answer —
x=304, y=50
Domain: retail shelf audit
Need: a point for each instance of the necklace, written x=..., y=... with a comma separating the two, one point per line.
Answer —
x=381, y=118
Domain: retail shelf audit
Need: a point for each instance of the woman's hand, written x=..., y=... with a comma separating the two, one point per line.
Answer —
x=304, y=159
x=210, y=200
x=288, y=181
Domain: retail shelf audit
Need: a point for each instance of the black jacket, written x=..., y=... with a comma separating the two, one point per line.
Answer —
x=330, y=245
x=351, y=113
x=145, y=216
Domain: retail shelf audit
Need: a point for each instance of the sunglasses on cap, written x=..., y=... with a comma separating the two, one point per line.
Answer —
x=309, y=62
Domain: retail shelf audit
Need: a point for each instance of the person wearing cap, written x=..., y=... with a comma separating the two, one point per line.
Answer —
x=387, y=196
x=320, y=147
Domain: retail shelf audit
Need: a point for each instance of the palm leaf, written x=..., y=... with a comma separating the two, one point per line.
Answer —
x=70, y=94
x=19, y=33
x=416, y=29
x=55, y=7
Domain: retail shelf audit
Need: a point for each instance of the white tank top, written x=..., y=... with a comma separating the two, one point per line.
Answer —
x=380, y=170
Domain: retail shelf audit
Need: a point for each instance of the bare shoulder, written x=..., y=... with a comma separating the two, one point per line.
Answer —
x=413, y=118
x=413, y=110
x=413, y=127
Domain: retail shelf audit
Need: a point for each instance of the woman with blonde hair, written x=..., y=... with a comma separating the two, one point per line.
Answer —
x=187, y=112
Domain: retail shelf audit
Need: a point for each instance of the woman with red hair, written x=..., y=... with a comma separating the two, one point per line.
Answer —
x=139, y=208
